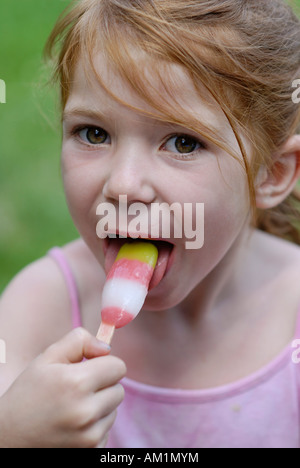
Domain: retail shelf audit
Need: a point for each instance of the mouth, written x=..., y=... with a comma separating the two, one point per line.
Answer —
x=114, y=242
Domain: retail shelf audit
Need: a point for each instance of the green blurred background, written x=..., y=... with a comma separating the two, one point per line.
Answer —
x=33, y=212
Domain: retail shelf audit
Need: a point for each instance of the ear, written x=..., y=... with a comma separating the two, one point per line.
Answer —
x=276, y=184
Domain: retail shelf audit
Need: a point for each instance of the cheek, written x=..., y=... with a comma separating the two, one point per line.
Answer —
x=231, y=206
x=82, y=191
x=75, y=195
x=232, y=185
x=223, y=188
x=227, y=213
x=225, y=195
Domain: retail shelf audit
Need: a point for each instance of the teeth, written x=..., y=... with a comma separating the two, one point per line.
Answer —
x=116, y=236
x=120, y=236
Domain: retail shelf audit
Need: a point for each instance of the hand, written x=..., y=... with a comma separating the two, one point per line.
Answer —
x=62, y=401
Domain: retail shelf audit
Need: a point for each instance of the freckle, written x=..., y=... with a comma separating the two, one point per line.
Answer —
x=236, y=408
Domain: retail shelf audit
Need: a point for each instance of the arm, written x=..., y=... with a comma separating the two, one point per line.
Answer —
x=50, y=397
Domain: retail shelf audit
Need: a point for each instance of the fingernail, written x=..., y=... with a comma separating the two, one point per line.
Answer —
x=104, y=345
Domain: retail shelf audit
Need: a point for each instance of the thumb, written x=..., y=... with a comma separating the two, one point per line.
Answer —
x=75, y=346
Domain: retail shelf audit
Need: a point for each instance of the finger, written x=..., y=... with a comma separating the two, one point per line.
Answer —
x=106, y=401
x=96, y=435
x=100, y=405
x=75, y=346
x=104, y=441
x=103, y=372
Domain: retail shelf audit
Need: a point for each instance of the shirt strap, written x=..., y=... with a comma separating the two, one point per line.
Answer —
x=58, y=255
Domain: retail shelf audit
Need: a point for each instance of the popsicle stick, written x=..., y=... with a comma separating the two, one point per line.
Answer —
x=105, y=332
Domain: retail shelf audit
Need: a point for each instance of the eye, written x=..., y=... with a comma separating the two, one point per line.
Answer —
x=183, y=144
x=93, y=135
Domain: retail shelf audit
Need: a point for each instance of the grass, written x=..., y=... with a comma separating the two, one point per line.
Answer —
x=33, y=212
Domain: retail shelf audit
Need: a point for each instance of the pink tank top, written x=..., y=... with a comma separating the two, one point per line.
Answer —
x=259, y=411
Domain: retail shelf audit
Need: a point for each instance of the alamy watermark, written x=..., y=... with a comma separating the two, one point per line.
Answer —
x=155, y=221
x=296, y=93
x=2, y=352
x=2, y=342
x=2, y=92
x=296, y=353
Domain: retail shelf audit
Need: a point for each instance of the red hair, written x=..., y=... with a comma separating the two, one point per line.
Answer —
x=246, y=53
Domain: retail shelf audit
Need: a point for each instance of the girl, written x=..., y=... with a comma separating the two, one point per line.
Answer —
x=168, y=101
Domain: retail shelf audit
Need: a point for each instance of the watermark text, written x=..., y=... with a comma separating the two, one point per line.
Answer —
x=296, y=353
x=2, y=92
x=2, y=352
x=296, y=93
x=155, y=221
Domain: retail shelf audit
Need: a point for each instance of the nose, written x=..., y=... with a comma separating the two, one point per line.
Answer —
x=130, y=173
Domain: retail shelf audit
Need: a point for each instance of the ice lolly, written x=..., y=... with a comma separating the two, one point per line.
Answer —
x=126, y=286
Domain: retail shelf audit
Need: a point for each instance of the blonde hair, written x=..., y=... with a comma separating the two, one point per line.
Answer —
x=245, y=53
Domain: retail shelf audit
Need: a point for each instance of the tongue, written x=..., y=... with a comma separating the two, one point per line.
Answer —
x=164, y=250
x=111, y=253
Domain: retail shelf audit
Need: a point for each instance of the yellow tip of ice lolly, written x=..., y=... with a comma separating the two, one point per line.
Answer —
x=145, y=252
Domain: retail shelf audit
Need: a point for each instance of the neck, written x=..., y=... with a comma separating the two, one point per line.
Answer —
x=208, y=298
x=221, y=284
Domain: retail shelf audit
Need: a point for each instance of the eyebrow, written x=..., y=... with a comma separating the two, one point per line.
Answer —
x=82, y=112
x=78, y=111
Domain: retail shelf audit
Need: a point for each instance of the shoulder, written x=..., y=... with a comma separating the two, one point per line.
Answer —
x=266, y=303
x=276, y=262
x=276, y=254
x=275, y=276
x=33, y=300
x=35, y=307
x=32, y=316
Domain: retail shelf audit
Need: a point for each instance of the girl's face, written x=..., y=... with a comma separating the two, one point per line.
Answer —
x=111, y=150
